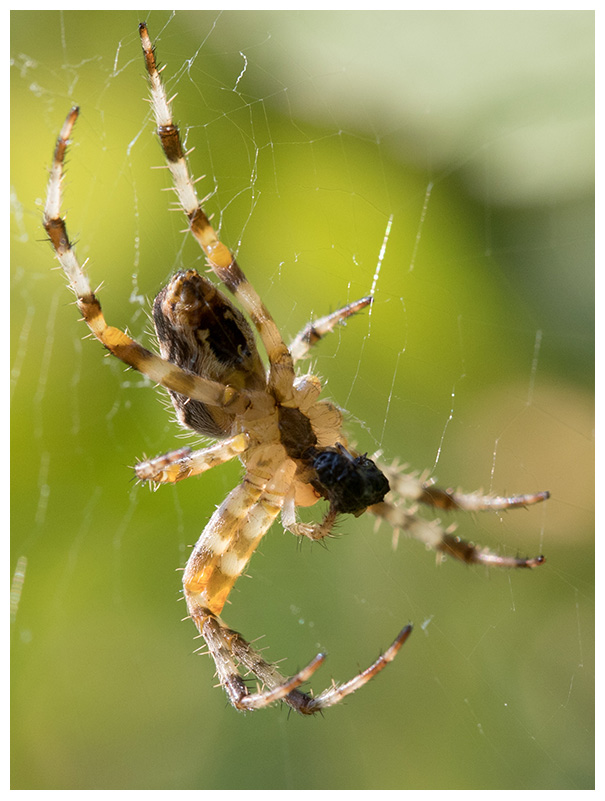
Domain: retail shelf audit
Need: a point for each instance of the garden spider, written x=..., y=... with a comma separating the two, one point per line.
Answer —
x=291, y=443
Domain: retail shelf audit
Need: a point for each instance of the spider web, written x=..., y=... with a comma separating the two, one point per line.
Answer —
x=344, y=153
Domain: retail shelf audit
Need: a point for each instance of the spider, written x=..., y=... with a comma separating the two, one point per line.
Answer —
x=290, y=442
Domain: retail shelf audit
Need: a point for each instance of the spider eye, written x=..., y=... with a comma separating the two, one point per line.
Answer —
x=350, y=483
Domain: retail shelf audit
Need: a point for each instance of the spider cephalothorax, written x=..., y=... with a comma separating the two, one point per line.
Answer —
x=289, y=440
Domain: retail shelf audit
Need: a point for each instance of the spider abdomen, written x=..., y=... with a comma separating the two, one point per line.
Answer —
x=201, y=331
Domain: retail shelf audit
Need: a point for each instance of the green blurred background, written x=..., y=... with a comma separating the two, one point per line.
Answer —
x=475, y=132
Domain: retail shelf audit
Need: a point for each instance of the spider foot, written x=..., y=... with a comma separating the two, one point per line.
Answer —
x=313, y=332
x=309, y=705
x=251, y=701
x=230, y=650
x=471, y=554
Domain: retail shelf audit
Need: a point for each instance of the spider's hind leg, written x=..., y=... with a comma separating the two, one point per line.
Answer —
x=117, y=342
x=220, y=258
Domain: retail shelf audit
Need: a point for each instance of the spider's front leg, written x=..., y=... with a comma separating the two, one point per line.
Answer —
x=224, y=644
x=220, y=258
x=219, y=557
x=411, y=488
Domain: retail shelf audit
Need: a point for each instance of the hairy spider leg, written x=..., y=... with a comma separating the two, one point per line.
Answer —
x=116, y=341
x=336, y=693
x=183, y=463
x=477, y=501
x=413, y=488
x=218, y=559
x=223, y=643
x=235, y=530
x=300, y=701
x=220, y=258
x=441, y=539
x=313, y=332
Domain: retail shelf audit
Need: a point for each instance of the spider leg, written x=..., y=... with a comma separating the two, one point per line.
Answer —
x=439, y=539
x=313, y=332
x=414, y=488
x=335, y=694
x=117, y=342
x=226, y=646
x=235, y=530
x=300, y=701
x=476, y=501
x=183, y=463
x=219, y=557
x=220, y=258
x=313, y=531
